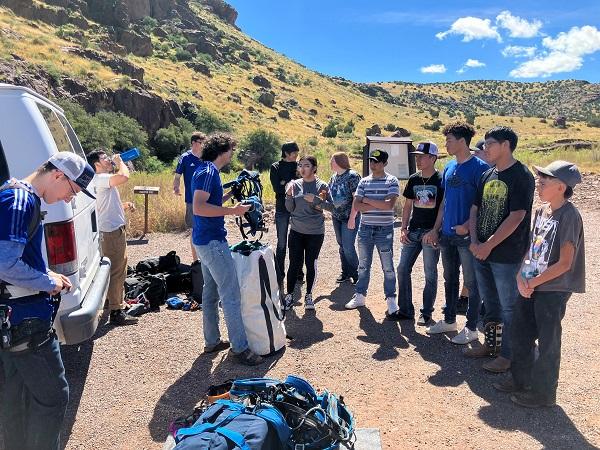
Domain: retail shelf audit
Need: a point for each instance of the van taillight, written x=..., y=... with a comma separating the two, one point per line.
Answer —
x=61, y=247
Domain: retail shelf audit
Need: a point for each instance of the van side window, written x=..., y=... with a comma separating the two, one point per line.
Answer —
x=61, y=131
x=4, y=173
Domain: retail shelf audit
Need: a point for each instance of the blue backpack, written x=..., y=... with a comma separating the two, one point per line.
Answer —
x=229, y=425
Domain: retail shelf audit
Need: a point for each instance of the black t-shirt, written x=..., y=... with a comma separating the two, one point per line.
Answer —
x=498, y=194
x=282, y=172
x=426, y=194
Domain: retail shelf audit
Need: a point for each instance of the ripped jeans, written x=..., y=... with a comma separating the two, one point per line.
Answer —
x=382, y=237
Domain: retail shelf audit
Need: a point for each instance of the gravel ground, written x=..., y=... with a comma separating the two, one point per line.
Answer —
x=129, y=382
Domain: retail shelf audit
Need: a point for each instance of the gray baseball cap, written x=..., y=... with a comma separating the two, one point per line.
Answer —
x=565, y=171
x=75, y=168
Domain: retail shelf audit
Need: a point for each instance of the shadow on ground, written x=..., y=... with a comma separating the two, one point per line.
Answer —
x=551, y=427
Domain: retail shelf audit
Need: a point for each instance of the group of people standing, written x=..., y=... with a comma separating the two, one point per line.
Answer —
x=476, y=215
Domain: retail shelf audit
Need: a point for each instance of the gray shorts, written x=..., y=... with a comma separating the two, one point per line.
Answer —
x=189, y=215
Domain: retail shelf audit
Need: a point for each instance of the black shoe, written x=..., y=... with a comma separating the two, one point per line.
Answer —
x=508, y=386
x=530, y=400
x=219, y=346
x=462, y=305
x=342, y=278
x=247, y=357
x=396, y=316
x=118, y=317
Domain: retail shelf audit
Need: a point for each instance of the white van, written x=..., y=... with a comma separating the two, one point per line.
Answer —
x=32, y=129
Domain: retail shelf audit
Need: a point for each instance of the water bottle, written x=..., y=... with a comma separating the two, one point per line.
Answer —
x=130, y=154
x=527, y=270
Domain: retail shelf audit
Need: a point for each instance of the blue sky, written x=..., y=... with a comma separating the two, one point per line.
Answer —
x=431, y=41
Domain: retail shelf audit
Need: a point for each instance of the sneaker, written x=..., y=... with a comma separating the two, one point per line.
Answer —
x=465, y=336
x=308, y=302
x=219, y=346
x=288, y=301
x=392, y=305
x=247, y=357
x=356, y=301
x=118, y=317
x=498, y=365
x=342, y=278
x=530, y=400
x=354, y=279
x=477, y=351
x=441, y=327
x=425, y=320
x=462, y=305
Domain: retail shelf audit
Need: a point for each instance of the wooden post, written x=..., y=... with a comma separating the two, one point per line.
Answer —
x=146, y=190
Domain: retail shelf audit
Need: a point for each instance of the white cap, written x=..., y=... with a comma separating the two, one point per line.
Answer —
x=75, y=169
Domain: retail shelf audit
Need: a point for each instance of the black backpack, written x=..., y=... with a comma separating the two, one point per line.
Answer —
x=197, y=281
x=167, y=263
x=148, y=287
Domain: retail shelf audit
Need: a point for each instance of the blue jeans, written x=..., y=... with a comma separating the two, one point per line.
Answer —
x=382, y=237
x=497, y=284
x=220, y=281
x=282, y=224
x=455, y=253
x=345, y=239
x=35, y=397
x=408, y=257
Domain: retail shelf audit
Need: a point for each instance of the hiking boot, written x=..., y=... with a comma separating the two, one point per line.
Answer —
x=118, y=317
x=356, y=301
x=462, y=305
x=441, y=327
x=465, y=336
x=477, y=350
x=498, y=365
x=247, y=357
x=530, y=400
x=342, y=278
x=424, y=320
x=219, y=346
x=288, y=301
x=508, y=386
x=308, y=302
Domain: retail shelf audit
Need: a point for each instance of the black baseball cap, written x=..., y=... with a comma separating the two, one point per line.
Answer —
x=379, y=156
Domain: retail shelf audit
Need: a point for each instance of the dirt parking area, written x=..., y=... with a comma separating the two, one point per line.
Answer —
x=129, y=382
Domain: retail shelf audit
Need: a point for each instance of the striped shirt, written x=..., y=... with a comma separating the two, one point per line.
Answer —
x=378, y=189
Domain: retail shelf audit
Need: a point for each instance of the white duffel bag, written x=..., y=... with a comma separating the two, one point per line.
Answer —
x=262, y=312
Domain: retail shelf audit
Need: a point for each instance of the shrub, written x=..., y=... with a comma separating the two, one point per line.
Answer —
x=208, y=122
x=434, y=113
x=169, y=141
x=183, y=55
x=349, y=127
x=390, y=127
x=313, y=141
x=330, y=130
x=259, y=149
x=470, y=117
x=593, y=122
x=433, y=126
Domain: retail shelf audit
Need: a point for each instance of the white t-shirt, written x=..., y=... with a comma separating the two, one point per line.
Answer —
x=108, y=204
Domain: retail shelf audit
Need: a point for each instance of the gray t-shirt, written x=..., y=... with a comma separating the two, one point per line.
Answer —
x=307, y=218
x=551, y=230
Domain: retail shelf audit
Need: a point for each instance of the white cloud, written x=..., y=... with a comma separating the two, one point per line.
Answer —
x=471, y=28
x=434, y=68
x=517, y=51
x=566, y=53
x=517, y=26
x=470, y=63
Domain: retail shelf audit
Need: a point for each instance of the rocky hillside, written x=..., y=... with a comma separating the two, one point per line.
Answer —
x=160, y=60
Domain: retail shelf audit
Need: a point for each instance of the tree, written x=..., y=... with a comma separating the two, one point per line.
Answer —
x=208, y=122
x=259, y=149
x=470, y=117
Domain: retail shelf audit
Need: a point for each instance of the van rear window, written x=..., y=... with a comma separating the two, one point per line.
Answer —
x=61, y=131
